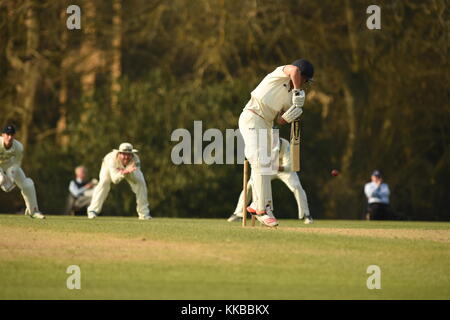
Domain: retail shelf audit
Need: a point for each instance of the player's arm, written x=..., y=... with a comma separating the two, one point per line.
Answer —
x=293, y=113
x=18, y=156
x=385, y=190
x=133, y=166
x=290, y=114
x=371, y=190
x=75, y=191
x=136, y=161
x=298, y=97
x=294, y=73
x=116, y=175
x=280, y=119
x=367, y=190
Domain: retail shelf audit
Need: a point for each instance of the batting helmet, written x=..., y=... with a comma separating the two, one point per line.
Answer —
x=9, y=129
x=306, y=68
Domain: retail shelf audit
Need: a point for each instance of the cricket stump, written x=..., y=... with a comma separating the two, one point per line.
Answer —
x=245, y=181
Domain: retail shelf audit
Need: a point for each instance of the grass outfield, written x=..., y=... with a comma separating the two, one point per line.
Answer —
x=164, y=258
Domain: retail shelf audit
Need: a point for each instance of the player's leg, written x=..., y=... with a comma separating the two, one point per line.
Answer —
x=257, y=139
x=26, y=185
x=69, y=210
x=100, y=194
x=293, y=183
x=82, y=202
x=262, y=194
x=370, y=211
x=139, y=187
x=379, y=211
x=386, y=212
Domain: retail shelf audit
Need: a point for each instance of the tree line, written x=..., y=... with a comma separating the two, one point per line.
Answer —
x=139, y=69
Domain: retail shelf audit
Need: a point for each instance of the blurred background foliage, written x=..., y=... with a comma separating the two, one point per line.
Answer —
x=139, y=69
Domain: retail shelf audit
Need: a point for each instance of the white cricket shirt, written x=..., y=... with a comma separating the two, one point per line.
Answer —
x=114, y=165
x=11, y=156
x=271, y=95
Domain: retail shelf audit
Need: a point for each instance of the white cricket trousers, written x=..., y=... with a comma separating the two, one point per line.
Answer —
x=135, y=180
x=292, y=181
x=26, y=186
x=257, y=135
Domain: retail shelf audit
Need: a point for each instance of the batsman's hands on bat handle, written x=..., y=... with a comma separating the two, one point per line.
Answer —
x=292, y=114
x=280, y=119
x=298, y=98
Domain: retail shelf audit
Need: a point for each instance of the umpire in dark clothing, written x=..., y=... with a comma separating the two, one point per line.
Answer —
x=80, y=192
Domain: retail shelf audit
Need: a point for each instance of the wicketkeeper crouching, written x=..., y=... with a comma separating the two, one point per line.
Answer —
x=117, y=165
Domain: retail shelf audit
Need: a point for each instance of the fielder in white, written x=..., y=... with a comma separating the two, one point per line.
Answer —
x=279, y=95
x=290, y=179
x=11, y=173
x=118, y=165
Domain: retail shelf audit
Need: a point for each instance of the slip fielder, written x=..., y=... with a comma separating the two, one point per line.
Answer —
x=279, y=95
x=290, y=179
x=118, y=165
x=11, y=173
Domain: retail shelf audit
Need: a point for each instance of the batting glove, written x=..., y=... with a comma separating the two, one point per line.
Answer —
x=298, y=98
x=292, y=114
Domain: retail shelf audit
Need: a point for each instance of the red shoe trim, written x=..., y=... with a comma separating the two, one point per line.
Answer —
x=251, y=210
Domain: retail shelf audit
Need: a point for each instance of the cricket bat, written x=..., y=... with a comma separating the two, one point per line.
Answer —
x=295, y=145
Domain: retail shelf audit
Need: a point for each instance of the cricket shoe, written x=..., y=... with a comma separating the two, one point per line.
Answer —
x=36, y=215
x=234, y=217
x=92, y=215
x=265, y=217
x=251, y=209
x=149, y=217
x=308, y=220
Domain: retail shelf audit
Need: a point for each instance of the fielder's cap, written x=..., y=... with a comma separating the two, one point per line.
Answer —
x=9, y=129
x=306, y=68
x=376, y=173
x=126, y=148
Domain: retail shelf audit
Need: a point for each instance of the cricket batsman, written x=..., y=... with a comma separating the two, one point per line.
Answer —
x=120, y=164
x=11, y=173
x=290, y=179
x=279, y=95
